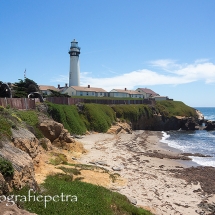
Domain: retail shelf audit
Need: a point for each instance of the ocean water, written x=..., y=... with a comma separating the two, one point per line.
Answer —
x=199, y=141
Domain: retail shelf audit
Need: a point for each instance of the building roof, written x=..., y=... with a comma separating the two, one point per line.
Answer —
x=126, y=91
x=159, y=96
x=149, y=91
x=88, y=89
x=45, y=87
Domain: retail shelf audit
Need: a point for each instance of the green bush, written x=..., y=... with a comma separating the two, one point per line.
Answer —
x=174, y=108
x=94, y=117
x=99, y=117
x=6, y=167
x=1, y=108
x=30, y=118
x=132, y=112
x=5, y=124
x=67, y=115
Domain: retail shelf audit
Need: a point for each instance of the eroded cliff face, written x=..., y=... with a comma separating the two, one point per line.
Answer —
x=24, y=151
x=162, y=123
x=23, y=167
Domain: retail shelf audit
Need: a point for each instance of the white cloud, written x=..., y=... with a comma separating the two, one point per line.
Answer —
x=200, y=70
x=163, y=63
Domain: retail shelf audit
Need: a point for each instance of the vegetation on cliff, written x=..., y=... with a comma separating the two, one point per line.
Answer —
x=6, y=168
x=68, y=116
x=7, y=121
x=98, y=117
x=174, y=108
x=93, y=117
x=132, y=112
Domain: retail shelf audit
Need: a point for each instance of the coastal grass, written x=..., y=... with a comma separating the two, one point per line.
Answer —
x=5, y=127
x=174, y=108
x=58, y=158
x=132, y=112
x=7, y=121
x=67, y=115
x=92, y=117
x=91, y=199
x=30, y=117
x=89, y=167
x=98, y=117
x=6, y=168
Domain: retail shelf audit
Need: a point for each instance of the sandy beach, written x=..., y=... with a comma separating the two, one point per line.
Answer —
x=153, y=175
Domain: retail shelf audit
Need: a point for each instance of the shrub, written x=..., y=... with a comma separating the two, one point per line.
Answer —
x=174, y=108
x=132, y=112
x=68, y=116
x=58, y=159
x=1, y=108
x=30, y=118
x=6, y=167
x=5, y=127
x=99, y=117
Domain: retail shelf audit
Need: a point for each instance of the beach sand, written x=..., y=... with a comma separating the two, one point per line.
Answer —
x=150, y=172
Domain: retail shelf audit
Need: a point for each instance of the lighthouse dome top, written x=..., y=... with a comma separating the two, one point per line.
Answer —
x=74, y=44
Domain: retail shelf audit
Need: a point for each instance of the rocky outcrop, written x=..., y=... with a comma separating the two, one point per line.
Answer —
x=210, y=125
x=162, y=123
x=12, y=210
x=26, y=141
x=23, y=168
x=200, y=117
x=120, y=127
x=51, y=129
x=189, y=123
x=57, y=134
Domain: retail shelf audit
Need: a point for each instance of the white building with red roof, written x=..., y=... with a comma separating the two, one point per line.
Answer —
x=125, y=93
x=46, y=90
x=85, y=91
x=147, y=93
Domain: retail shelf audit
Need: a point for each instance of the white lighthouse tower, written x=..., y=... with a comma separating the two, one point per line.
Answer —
x=74, y=73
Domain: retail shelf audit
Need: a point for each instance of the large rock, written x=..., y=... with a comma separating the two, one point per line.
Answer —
x=120, y=127
x=51, y=129
x=188, y=123
x=210, y=125
x=162, y=123
x=12, y=210
x=200, y=117
x=26, y=141
x=23, y=167
x=56, y=133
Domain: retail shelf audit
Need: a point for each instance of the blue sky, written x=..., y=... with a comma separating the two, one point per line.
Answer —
x=167, y=46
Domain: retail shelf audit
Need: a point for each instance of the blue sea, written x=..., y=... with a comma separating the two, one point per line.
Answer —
x=199, y=141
